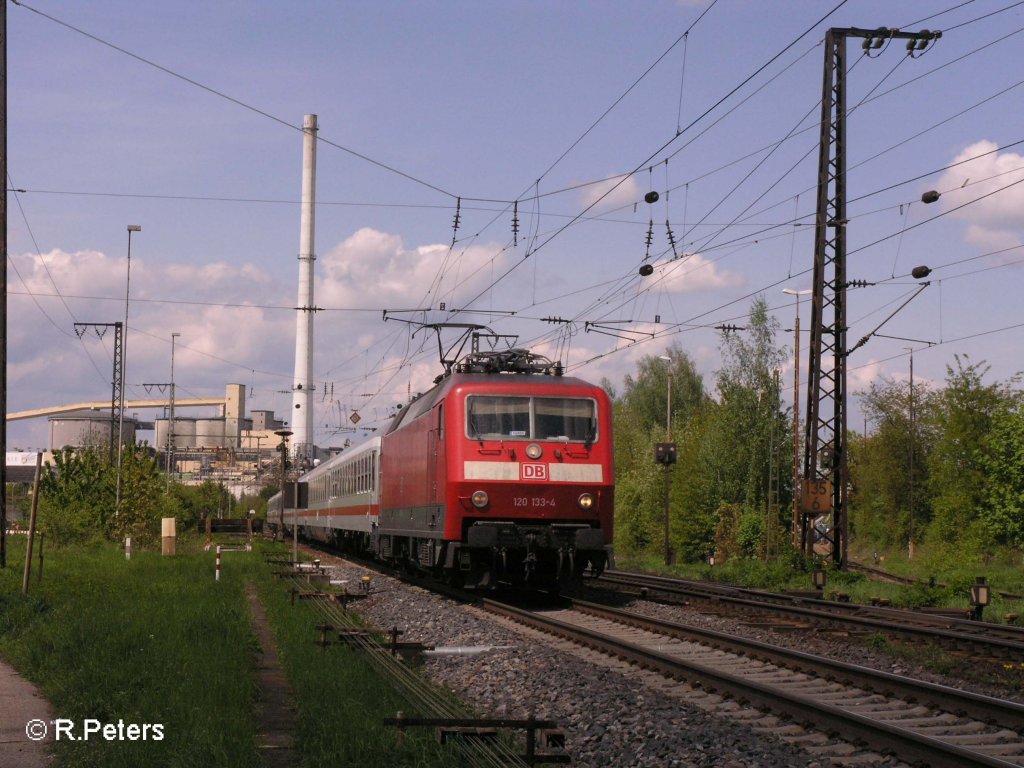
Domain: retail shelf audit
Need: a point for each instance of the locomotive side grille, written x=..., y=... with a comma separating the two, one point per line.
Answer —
x=425, y=552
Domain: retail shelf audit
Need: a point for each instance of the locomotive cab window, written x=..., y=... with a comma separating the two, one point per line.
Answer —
x=531, y=418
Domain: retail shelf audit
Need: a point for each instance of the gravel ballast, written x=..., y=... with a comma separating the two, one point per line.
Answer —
x=612, y=714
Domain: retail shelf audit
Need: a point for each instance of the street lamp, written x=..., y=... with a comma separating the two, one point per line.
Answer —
x=796, y=412
x=124, y=365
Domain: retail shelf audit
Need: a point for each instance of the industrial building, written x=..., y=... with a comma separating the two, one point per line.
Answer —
x=227, y=446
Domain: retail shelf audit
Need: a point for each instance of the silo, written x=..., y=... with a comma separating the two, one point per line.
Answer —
x=86, y=428
x=160, y=434
x=184, y=433
x=209, y=433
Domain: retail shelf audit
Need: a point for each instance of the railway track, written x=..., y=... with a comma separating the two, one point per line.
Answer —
x=915, y=721
x=983, y=640
x=877, y=574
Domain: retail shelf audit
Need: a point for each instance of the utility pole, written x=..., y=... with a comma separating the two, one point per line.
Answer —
x=796, y=538
x=124, y=354
x=116, y=397
x=170, y=418
x=3, y=285
x=825, y=451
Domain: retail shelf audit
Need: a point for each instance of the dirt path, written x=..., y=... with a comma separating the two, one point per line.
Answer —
x=275, y=709
x=23, y=710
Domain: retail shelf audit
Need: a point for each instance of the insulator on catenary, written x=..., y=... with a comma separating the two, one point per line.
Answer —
x=458, y=218
x=515, y=223
x=671, y=238
x=922, y=271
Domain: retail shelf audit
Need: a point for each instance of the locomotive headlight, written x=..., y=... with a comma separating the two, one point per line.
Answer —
x=533, y=451
x=586, y=501
x=479, y=499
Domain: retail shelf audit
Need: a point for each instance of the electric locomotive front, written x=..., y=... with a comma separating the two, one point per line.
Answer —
x=500, y=474
x=530, y=478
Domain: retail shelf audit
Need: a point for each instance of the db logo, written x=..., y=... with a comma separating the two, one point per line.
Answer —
x=534, y=471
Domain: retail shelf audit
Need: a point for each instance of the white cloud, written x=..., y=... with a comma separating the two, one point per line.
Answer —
x=376, y=264
x=696, y=273
x=859, y=378
x=994, y=221
x=614, y=192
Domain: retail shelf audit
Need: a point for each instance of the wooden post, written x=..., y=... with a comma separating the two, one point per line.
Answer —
x=32, y=526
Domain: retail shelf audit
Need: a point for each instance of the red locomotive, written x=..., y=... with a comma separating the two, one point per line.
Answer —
x=500, y=474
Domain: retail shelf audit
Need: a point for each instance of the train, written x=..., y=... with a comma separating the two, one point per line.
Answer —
x=501, y=475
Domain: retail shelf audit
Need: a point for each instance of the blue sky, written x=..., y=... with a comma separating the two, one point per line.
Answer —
x=421, y=104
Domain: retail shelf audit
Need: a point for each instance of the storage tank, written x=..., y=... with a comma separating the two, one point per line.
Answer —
x=209, y=433
x=86, y=428
x=184, y=433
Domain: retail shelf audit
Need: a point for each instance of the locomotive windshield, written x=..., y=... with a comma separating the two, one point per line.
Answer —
x=531, y=418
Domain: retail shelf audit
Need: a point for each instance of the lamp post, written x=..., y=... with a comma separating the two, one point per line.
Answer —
x=796, y=414
x=124, y=365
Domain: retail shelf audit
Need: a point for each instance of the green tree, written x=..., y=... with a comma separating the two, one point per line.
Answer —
x=880, y=464
x=76, y=495
x=645, y=397
x=144, y=501
x=637, y=490
x=730, y=451
x=751, y=430
x=640, y=422
x=963, y=419
x=1003, y=463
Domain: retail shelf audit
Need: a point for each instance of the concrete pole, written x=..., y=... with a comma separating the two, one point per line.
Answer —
x=124, y=364
x=170, y=419
x=302, y=387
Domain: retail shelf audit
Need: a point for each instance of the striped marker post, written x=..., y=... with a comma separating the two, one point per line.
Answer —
x=218, y=563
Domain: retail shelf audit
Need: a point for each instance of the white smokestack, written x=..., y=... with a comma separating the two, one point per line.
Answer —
x=302, y=387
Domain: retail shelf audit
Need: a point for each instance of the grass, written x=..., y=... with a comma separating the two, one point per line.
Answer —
x=151, y=640
x=157, y=640
x=341, y=701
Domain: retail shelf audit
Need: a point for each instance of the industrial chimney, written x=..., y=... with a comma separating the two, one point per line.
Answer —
x=302, y=386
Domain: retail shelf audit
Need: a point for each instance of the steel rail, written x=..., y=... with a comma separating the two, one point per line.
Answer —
x=918, y=626
x=990, y=709
x=909, y=746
